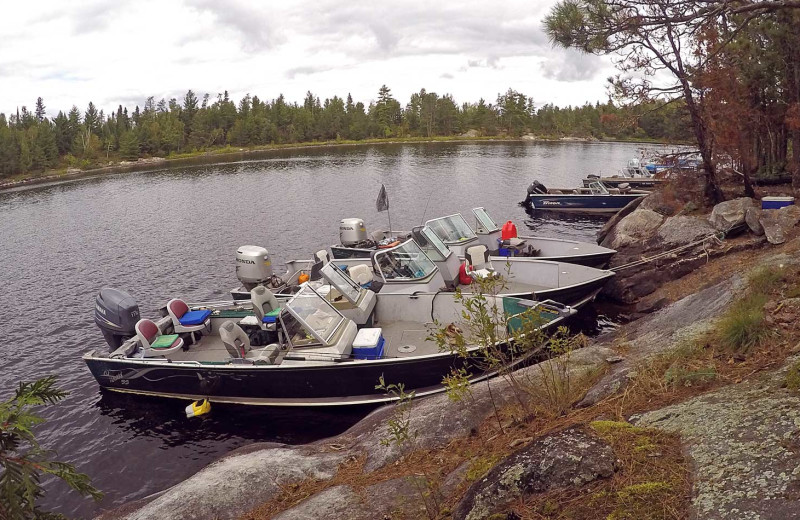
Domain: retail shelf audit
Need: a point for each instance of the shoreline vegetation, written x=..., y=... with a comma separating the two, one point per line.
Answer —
x=34, y=145
x=111, y=167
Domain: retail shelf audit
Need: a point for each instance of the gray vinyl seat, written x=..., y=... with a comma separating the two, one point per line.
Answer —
x=478, y=261
x=237, y=343
x=264, y=302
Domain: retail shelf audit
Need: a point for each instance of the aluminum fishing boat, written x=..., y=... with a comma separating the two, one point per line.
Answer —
x=596, y=198
x=299, y=350
x=457, y=234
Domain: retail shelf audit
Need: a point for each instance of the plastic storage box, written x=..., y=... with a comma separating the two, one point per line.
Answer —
x=368, y=344
x=776, y=202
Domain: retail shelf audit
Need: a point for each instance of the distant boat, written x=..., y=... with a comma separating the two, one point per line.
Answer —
x=595, y=198
x=634, y=175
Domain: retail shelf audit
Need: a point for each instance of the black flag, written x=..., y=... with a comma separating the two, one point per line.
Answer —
x=383, y=200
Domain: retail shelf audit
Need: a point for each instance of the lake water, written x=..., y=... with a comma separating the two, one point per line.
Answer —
x=173, y=232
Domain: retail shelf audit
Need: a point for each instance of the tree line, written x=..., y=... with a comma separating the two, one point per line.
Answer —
x=32, y=142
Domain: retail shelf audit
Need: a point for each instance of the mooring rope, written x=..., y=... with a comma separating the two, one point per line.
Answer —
x=716, y=237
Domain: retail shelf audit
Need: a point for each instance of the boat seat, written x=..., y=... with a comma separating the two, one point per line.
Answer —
x=185, y=320
x=361, y=274
x=478, y=261
x=378, y=235
x=154, y=343
x=323, y=256
x=265, y=304
x=235, y=339
x=268, y=355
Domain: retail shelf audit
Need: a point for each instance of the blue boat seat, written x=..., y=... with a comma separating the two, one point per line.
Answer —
x=186, y=320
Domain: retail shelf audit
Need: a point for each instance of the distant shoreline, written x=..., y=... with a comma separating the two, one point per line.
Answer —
x=69, y=174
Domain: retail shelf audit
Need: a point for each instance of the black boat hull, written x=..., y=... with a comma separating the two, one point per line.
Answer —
x=601, y=204
x=347, y=383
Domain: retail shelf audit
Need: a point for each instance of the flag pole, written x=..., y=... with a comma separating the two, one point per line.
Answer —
x=389, y=214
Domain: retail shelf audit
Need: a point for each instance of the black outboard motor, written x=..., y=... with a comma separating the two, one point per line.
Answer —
x=537, y=187
x=116, y=313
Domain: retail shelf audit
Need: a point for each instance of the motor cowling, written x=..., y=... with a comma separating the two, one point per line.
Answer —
x=116, y=313
x=253, y=266
x=352, y=231
x=537, y=187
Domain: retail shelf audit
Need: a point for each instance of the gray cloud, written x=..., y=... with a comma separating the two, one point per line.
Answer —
x=253, y=26
x=425, y=29
x=305, y=71
x=447, y=75
x=570, y=65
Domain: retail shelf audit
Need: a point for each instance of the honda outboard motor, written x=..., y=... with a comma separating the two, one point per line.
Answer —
x=253, y=266
x=116, y=313
x=352, y=231
x=537, y=187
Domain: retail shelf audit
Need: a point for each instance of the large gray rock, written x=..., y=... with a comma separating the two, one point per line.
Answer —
x=752, y=217
x=559, y=460
x=684, y=229
x=383, y=500
x=730, y=213
x=743, y=440
x=779, y=224
x=226, y=488
x=636, y=227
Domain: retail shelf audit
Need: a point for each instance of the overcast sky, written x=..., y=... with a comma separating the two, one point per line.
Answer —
x=119, y=52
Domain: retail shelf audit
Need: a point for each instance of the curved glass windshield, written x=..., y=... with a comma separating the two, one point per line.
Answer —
x=485, y=222
x=404, y=262
x=317, y=317
x=430, y=243
x=452, y=229
x=343, y=283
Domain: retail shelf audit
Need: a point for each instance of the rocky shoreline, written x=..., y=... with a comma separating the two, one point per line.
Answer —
x=714, y=433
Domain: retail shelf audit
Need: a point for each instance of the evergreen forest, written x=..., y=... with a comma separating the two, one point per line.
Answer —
x=33, y=141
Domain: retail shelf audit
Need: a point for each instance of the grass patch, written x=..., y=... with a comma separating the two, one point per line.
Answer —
x=743, y=326
x=766, y=279
x=793, y=376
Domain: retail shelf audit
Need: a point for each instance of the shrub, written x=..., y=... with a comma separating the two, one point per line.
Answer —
x=743, y=325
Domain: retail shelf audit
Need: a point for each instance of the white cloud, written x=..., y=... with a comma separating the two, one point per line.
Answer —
x=122, y=51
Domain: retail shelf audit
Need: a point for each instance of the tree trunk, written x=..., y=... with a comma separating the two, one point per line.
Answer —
x=713, y=193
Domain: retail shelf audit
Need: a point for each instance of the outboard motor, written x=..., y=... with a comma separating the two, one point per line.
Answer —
x=116, y=313
x=352, y=231
x=253, y=266
x=537, y=187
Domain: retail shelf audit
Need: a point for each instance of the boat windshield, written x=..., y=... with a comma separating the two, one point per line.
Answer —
x=317, y=317
x=452, y=229
x=597, y=187
x=343, y=283
x=485, y=222
x=403, y=263
x=430, y=243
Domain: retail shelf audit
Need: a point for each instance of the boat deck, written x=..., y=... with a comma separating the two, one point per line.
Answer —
x=407, y=333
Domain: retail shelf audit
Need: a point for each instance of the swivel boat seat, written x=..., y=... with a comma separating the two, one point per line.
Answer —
x=478, y=263
x=184, y=320
x=237, y=343
x=265, y=306
x=155, y=344
x=323, y=256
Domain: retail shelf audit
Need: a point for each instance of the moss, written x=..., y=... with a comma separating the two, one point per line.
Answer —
x=611, y=427
x=479, y=466
x=793, y=377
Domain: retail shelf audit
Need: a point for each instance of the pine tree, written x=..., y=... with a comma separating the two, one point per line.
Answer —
x=40, y=112
x=22, y=458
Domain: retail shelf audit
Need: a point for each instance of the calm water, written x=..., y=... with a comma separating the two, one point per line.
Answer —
x=174, y=232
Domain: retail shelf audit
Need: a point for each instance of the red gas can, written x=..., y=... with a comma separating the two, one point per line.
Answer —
x=509, y=231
